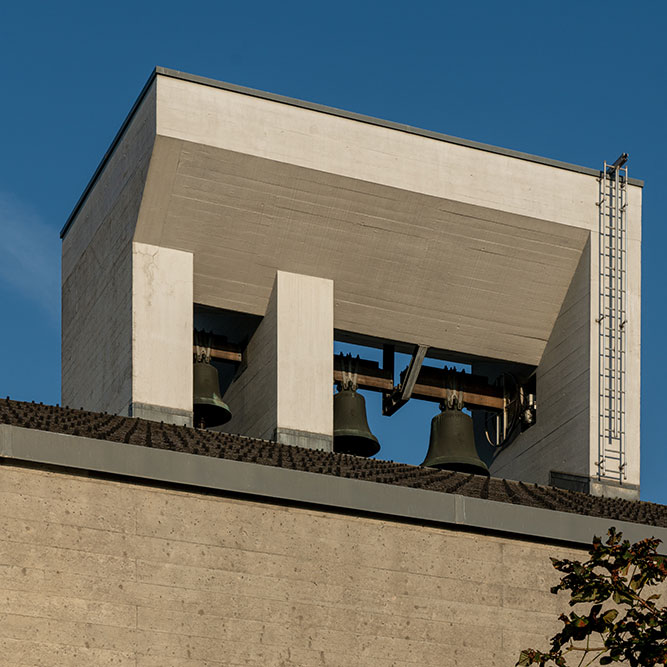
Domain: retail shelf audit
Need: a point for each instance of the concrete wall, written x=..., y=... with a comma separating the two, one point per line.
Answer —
x=97, y=276
x=407, y=266
x=561, y=440
x=162, y=325
x=565, y=438
x=462, y=249
x=253, y=395
x=305, y=329
x=290, y=134
x=96, y=572
x=284, y=392
x=634, y=338
x=127, y=307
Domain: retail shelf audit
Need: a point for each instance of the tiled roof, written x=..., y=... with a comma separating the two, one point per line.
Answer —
x=145, y=433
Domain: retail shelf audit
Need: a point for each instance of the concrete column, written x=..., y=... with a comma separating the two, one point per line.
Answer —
x=285, y=391
x=304, y=328
x=162, y=324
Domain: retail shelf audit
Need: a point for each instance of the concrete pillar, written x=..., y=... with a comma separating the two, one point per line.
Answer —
x=162, y=324
x=285, y=391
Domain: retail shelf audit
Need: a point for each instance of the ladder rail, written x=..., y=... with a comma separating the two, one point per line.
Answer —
x=612, y=255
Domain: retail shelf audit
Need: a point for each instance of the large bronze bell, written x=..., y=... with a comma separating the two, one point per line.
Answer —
x=351, y=432
x=209, y=408
x=452, y=444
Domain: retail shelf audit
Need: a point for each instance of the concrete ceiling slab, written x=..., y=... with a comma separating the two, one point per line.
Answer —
x=406, y=266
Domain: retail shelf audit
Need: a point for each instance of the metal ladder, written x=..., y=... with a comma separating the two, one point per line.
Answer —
x=613, y=204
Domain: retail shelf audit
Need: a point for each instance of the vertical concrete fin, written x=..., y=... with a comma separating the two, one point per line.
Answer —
x=286, y=390
x=162, y=325
x=305, y=357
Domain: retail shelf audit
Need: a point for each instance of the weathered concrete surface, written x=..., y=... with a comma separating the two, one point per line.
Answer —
x=253, y=394
x=97, y=277
x=162, y=325
x=407, y=266
x=561, y=439
x=566, y=435
x=285, y=390
x=109, y=573
x=289, y=134
x=462, y=249
x=304, y=329
x=277, y=484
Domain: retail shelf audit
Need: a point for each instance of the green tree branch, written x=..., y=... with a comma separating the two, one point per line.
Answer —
x=616, y=573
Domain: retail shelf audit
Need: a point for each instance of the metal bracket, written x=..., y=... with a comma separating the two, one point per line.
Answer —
x=402, y=393
x=413, y=372
x=620, y=162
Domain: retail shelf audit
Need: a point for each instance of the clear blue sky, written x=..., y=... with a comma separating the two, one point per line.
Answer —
x=575, y=81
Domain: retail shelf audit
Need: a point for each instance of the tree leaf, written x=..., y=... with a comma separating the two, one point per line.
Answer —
x=610, y=616
x=526, y=658
x=637, y=638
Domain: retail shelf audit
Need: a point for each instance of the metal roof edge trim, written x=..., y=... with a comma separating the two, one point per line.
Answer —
x=81, y=453
x=351, y=115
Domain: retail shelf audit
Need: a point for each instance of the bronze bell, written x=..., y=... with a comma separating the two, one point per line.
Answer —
x=209, y=408
x=452, y=444
x=351, y=432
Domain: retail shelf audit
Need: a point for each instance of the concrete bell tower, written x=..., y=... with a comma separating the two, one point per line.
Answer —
x=291, y=225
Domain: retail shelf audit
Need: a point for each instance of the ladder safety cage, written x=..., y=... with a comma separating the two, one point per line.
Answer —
x=613, y=205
